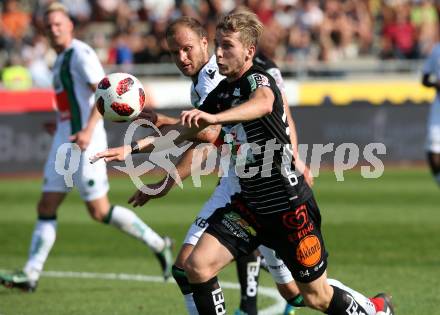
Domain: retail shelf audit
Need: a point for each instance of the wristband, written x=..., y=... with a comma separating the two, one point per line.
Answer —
x=135, y=147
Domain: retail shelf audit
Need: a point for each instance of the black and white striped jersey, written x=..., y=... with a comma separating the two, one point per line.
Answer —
x=260, y=148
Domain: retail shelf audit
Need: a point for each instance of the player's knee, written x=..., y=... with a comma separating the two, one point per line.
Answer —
x=46, y=208
x=318, y=300
x=181, y=280
x=288, y=290
x=196, y=270
x=96, y=213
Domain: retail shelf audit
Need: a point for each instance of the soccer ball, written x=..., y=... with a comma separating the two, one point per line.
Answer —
x=120, y=97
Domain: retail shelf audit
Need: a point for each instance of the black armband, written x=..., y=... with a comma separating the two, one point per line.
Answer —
x=135, y=147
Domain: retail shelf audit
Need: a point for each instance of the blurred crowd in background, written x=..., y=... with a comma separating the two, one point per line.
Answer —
x=132, y=31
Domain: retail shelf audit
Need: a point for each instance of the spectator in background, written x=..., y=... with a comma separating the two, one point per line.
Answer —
x=336, y=33
x=79, y=10
x=424, y=18
x=36, y=57
x=105, y=10
x=120, y=53
x=361, y=20
x=15, y=76
x=400, y=35
x=15, y=24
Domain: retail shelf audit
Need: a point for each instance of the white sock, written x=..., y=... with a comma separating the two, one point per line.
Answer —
x=43, y=238
x=190, y=305
x=362, y=300
x=127, y=221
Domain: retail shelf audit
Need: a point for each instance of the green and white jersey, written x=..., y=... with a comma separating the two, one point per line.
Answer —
x=209, y=77
x=74, y=69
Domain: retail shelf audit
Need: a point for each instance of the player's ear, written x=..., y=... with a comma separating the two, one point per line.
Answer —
x=250, y=52
x=204, y=41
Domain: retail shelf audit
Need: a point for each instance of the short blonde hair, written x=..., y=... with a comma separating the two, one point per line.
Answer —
x=244, y=22
x=56, y=7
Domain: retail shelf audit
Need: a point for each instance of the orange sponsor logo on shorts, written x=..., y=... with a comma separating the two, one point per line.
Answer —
x=308, y=252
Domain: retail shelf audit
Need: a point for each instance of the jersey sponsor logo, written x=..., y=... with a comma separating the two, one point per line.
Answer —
x=240, y=223
x=257, y=80
x=211, y=73
x=299, y=221
x=218, y=299
x=308, y=251
x=296, y=219
x=201, y=222
x=63, y=105
x=253, y=269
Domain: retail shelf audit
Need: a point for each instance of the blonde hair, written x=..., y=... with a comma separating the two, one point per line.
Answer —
x=188, y=22
x=56, y=7
x=244, y=22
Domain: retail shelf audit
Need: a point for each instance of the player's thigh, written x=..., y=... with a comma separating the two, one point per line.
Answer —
x=208, y=257
x=296, y=237
x=278, y=270
x=219, y=198
x=91, y=179
x=49, y=203
x=184, y=252
x=58, y=178
x=98, y=208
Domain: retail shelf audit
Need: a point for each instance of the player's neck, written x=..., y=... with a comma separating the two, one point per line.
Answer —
x=242, y=71
x=61, y=48
x=195, y=77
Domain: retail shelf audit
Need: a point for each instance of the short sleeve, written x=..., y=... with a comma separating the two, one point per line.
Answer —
x=89, y=66
x=257, y=80
x=276, y=74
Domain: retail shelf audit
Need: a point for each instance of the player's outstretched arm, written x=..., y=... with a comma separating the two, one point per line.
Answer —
x=259, y=105
x=148, y=144
x=183, y=169
x=157, y=119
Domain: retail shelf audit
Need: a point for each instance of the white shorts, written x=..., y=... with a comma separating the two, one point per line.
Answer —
x=90, y=179
x=227, y=187
x=278, y=270
x=433, y=132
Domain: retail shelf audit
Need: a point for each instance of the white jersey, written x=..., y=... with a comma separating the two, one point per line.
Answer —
x=432, y=67
x=74, y=69
x=209, y=77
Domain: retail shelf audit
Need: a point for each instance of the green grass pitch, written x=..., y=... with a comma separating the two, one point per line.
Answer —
x=382, y=235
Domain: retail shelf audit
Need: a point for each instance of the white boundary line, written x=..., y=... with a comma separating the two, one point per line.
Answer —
x=274, y=309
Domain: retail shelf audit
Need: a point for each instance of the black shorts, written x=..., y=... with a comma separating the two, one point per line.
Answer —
x=295, y=235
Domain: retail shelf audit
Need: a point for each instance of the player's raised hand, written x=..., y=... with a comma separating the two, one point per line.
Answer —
x=147, y=114
x=82, y=138
x=197, y=118
x=112, y=154
x=140, y=198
